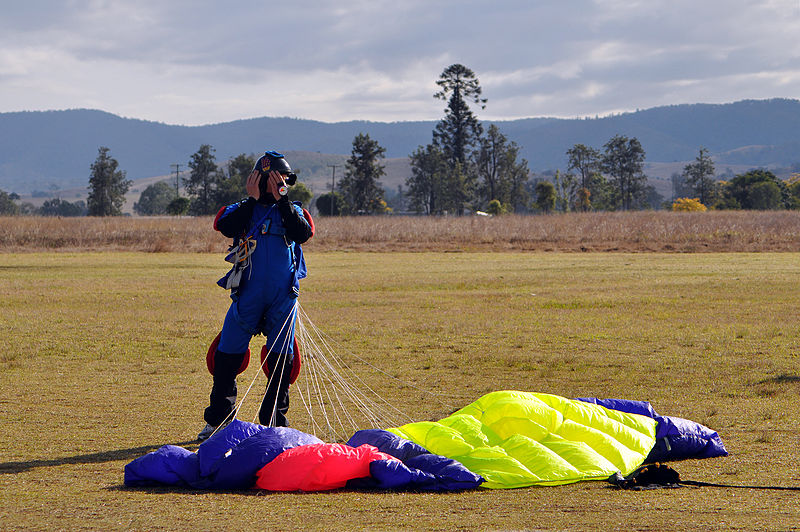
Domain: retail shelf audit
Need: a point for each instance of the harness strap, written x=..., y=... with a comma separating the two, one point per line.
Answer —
x=243, y=247
x=268, y=229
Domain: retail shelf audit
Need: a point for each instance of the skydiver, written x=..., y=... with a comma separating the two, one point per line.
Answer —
x=268, y=263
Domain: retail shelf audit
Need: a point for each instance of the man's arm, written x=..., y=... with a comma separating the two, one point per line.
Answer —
x=297, y=227
x=233, y=220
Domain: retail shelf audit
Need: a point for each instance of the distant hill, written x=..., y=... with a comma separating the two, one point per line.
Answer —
x=41, y=149
x=49, y=150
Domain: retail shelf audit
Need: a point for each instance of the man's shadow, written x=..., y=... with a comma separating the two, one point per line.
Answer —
x=10, y=468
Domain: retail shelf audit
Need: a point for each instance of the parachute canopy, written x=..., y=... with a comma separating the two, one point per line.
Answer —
x=505, y=439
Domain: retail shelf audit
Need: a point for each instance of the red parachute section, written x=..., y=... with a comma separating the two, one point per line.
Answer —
x=317, y=467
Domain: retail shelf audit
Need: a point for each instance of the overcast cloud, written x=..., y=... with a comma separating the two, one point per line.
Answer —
x=200, y=62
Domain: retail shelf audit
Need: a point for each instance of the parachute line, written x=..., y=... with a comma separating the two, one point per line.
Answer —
x=336, y=399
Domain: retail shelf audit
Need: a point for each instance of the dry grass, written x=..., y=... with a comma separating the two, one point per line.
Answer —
x=25, y=233
x=723, y=231
x=628, y=231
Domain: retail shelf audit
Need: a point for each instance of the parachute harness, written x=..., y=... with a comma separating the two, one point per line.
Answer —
x=240, y=253
x=240, y=256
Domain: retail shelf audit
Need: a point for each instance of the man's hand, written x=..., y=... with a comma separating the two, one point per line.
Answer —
x=251, y=186
x=274, y=184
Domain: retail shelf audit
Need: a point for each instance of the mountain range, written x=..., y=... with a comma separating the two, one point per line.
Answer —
x=52, y=150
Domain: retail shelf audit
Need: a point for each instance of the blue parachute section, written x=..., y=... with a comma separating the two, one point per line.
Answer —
x=232, y=458
x=415, y=467
x=228, y=460
x=676, y=438
x=244, y=455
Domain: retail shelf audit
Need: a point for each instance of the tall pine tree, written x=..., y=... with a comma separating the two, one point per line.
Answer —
x=203, y=181
x=623, y=161
x=107, y=186
x=459, y=131
x=458, y=134
x=360, y=188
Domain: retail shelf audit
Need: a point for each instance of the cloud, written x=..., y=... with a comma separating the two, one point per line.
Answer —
x=200, y=62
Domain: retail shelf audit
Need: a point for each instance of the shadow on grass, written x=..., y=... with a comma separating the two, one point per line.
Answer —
x=256, y=492
x=161, y=489
x=783, y=378
x=8, y=468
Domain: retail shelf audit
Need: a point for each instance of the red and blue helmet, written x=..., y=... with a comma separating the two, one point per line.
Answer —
x=273, y=161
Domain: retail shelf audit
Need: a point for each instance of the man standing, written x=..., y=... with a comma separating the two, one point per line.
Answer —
x=267, y=265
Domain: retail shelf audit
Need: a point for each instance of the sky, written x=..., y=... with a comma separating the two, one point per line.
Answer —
x=203, y=62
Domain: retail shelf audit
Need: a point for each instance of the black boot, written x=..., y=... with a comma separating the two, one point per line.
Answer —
x=276, y=400
x=223, y=393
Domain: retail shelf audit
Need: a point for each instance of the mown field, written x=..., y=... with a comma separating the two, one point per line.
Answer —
x=101, y=356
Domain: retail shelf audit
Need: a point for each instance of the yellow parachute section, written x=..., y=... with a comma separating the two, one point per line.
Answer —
x=516, y=439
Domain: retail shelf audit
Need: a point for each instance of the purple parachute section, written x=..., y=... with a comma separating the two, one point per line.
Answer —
x=230, y=460
x=415, y=467
x=676, y=438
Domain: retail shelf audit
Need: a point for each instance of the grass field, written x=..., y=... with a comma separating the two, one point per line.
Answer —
x=102, y=361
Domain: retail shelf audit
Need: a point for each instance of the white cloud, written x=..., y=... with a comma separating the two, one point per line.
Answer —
x=200, y=62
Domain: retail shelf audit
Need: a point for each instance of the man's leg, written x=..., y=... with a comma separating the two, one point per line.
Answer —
x=233, y=344
x=276, y=400
x=278, y=327
x=223, y=392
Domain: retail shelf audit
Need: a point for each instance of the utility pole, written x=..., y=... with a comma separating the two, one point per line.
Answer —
x=177, y=178
x=333, y=176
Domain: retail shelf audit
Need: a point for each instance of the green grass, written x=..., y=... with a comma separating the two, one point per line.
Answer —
x=101, y=357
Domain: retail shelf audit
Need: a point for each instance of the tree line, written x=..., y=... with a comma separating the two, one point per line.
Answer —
x=756, y=189
x=107, y=188
x=462, y=169
x=208, y=187
x=465, y=168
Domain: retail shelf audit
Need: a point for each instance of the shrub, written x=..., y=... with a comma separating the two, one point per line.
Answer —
x=495, y=208
x=330, y=204
x=688, y=205
x=178, y=207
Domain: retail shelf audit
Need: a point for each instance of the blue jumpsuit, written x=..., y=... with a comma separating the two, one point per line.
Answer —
x=263, y=303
